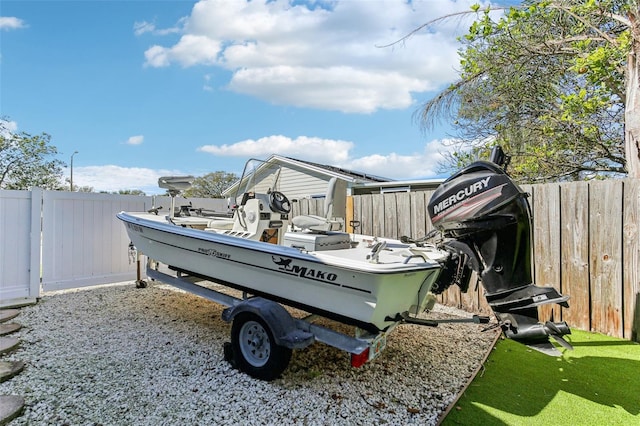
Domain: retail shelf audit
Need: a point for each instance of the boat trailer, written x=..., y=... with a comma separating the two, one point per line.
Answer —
x=264, y=333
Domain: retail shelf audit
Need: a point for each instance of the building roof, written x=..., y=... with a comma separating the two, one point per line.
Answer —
x=364, y=183
x=360, y=182
x=396, y=186
x=351, y=175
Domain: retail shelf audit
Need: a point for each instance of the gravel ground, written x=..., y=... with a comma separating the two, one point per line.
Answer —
x=117, y=355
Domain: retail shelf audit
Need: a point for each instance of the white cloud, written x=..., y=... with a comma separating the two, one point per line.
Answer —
x=190, y=50
x=143, y=27
x=290, y=53
x=7, y=128
x=11, y=23
x=207, y=83
x=140, y=28
x=320, y=150
x=423, y=164
x=135, y=140
x=395, y=166
x=112, y=178
x=343, y=89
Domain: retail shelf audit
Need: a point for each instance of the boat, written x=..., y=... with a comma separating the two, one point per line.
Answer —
x=356, y=279
x=482, y=224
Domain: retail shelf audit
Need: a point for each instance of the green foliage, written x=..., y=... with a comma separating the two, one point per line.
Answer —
x=28, y=161
x=211, y=185
x=547, y=81
x=118, y=192
x=130, y=192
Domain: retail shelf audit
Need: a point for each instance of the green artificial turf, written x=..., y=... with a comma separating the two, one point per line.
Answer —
x=598, y=383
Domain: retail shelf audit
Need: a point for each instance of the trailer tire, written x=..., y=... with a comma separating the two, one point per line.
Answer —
x=254, y=348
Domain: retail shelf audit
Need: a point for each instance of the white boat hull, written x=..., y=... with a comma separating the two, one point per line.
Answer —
x=340, y=284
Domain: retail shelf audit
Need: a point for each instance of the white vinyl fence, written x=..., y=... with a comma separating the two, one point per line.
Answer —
x=83, y=243
x=19, y=247
x=53, y=240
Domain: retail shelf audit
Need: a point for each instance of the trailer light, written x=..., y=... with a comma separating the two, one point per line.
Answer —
x=358, y=360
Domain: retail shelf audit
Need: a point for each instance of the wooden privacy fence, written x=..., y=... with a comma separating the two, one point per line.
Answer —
x=585, y=244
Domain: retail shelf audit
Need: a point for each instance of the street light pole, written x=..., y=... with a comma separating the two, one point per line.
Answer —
x=71, y=178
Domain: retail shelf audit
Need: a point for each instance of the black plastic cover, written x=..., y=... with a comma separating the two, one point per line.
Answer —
x=471, y=194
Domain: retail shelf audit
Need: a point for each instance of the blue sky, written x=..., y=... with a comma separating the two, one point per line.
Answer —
x=143, y=89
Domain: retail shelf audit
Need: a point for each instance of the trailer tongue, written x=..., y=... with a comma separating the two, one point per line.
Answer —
x=485, y=220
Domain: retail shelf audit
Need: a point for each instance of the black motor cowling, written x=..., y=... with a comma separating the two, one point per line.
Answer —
x=486, y=221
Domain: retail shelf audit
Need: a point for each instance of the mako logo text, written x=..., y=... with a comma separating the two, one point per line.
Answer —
x=286, y=265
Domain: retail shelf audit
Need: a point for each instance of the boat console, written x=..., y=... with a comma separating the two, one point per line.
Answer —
x=254, y=220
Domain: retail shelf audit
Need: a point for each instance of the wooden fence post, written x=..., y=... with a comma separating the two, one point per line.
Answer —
x=575, y=265
x=631, y=256
x=605, y=246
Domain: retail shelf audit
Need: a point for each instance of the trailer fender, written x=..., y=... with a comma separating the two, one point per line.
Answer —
x=282, y=324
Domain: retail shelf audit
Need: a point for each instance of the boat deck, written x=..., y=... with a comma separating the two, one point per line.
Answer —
x=359, y=253
x=388, y=259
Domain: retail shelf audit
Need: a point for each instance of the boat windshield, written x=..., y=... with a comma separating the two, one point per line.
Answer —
x=258, y=177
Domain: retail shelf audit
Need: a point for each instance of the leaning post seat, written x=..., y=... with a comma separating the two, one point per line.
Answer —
x=316, y=223
x=320, y=223
x=221, y=224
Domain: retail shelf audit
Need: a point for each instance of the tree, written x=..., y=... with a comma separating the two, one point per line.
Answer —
x=632, y=91
x=211, y=185
x=27, y=161
x=554, y=81
x=130, y=192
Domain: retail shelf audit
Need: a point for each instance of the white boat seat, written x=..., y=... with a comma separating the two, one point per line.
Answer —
x=319, y=223
x=316, y=223
x=223, y=224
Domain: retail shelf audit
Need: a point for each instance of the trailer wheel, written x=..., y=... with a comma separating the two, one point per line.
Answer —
x=254, y=349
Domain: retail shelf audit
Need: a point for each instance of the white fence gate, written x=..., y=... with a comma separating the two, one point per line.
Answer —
x=19, y=247
x=83, y=243
x=53, y=240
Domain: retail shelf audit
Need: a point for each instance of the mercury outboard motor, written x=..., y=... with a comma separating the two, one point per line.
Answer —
x=485, y=220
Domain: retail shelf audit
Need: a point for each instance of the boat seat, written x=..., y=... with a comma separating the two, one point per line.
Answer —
x=316, y=223
x=222, y=224
x=319, y=223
